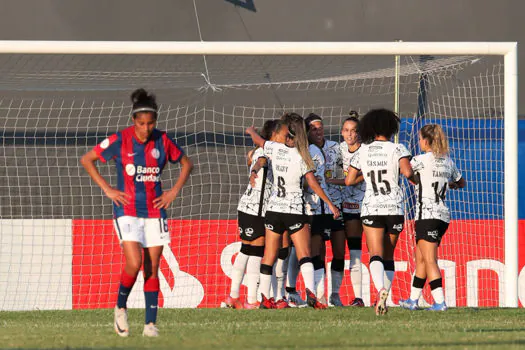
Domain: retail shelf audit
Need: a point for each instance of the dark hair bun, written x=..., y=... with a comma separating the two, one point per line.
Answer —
x=143, y=97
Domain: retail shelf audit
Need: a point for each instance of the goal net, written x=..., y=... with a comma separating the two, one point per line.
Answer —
x=58, y=249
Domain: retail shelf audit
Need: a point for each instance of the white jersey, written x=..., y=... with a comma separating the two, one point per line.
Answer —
x=288, y=168
x=352, y=195
x=434, y=175
x=379, y=162
x=314, y=204
x=333, y=167
x=255, y=199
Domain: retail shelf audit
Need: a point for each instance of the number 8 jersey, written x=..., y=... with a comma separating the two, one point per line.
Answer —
x=379, y=163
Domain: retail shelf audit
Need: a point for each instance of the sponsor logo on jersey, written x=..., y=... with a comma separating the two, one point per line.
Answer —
x=248, y=232
x=368, y=222
x=143, y=173
x=328, y=174
x=398, y=227
x=348, y=205
x=375, y=148
x=296, y=226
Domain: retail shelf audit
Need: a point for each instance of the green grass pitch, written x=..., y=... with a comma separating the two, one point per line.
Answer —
x=342, y=328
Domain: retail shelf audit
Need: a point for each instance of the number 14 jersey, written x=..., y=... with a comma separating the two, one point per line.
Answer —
x=379, y=163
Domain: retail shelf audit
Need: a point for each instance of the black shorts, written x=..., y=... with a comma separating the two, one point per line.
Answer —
x=320, y=225
x=391, y=223
x=279, y=222
x=251, y=227
x=431, y=230
x=351, y=216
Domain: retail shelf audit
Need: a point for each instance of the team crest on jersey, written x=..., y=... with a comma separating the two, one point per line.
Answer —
x=130, y=169
x=104, y=144
x=155, y=153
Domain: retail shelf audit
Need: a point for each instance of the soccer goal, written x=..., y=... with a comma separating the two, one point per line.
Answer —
x=59, y=99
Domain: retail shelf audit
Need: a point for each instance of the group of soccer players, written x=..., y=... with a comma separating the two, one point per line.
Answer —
x=350, y=188
x=303, y=191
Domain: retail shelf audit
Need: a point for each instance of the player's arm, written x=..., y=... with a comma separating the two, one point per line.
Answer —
x=164, y=200
x=256, y=138
x=261, y=163
x=353, y=177
x=458, y=184
x=88, y=162
x=342, y=182
x=406, y=169
x=314, y=185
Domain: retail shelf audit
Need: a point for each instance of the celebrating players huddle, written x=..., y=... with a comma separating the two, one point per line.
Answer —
x=305, y=190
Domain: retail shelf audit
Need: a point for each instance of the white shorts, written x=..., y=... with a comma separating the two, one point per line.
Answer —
x=149, y=232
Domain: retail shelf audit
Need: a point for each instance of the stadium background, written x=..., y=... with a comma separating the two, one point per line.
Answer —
x=250, y=20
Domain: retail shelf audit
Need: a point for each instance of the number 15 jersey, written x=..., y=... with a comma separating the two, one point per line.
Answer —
x=379, y=163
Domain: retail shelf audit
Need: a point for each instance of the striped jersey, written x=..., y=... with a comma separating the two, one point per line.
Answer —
x=434, y=175
x=255, y=199
x=139, y=167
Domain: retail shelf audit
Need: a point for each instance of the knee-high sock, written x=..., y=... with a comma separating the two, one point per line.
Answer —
x=126, y=284
x=253, y=270
x=337, y=270
x=307, y=270
x=265, y=279
x=377, y=270
x=293, y=270
x=239, y=266
x=389, y=273
x=151, y=295
x=356, y=274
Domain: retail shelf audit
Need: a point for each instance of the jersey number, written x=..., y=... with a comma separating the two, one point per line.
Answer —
x=439, y=194
x=384, y=185
x=281, y=191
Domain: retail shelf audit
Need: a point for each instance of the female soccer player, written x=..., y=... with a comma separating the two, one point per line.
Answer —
x=327, y=158
x=251, y=211
x=380, y=161
x=352, y=199
x=434, y=173
x=286, y=210
x=140, y=153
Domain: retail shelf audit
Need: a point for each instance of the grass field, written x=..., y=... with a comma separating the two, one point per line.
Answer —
x=279, y=329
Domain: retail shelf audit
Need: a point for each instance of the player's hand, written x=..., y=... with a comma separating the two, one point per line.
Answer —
x=452, y=185
x=164, y=200
x=118, y=197
x=251, y=130
x=253, y=176
x=334, y=210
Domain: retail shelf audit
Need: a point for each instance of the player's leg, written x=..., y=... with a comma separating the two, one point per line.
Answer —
x=319, y=228
x=394, y=226
x=294, y=297
x=354, y=234
x=418, y=282
x=151, y=288
x=252, y=272
x=130, y=237
x=280, y=269
x=271, y=249
x=338, y=240
x=429, y=252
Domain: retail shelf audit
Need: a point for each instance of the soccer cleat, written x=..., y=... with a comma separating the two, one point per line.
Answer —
x=295, y=300
x=409, y=304
x=335, y=300
x=121, y=322
x=438, y=307
x=150, y=330
x=232, y=303
x=312, y=301
x=249, y=306
x=357, y=302
x=267, y=303
x=281, y=304
x=381, y=307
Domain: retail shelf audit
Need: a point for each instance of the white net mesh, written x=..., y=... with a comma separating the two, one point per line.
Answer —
x=58, y=248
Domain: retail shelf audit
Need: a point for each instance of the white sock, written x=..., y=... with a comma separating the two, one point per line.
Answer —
x=252, y=277
x=438, y=295
x=319, y=283
x=377, y=270
x=293, y=269
x=238, y=273
x=274, y=283
x=280, y=270
x=337, y=280
x=415, y=293
x=307, y=270
x=356, y=273
x=264, y=284
x=388, y=278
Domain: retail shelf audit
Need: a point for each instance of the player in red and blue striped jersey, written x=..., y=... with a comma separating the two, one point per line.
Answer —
x=140, y=153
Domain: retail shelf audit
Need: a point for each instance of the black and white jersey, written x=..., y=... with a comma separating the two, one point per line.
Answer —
x=352, y=195
x=379, y=162
x=333, y=168
x=434, y=175
x=288, y=168
x=255, y=199
x=314, y=204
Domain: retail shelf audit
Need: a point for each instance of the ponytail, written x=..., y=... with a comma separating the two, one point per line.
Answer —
x=436, y=138
x=297, y=129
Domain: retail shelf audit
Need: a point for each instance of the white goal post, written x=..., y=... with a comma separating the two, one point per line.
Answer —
x=506, y=49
